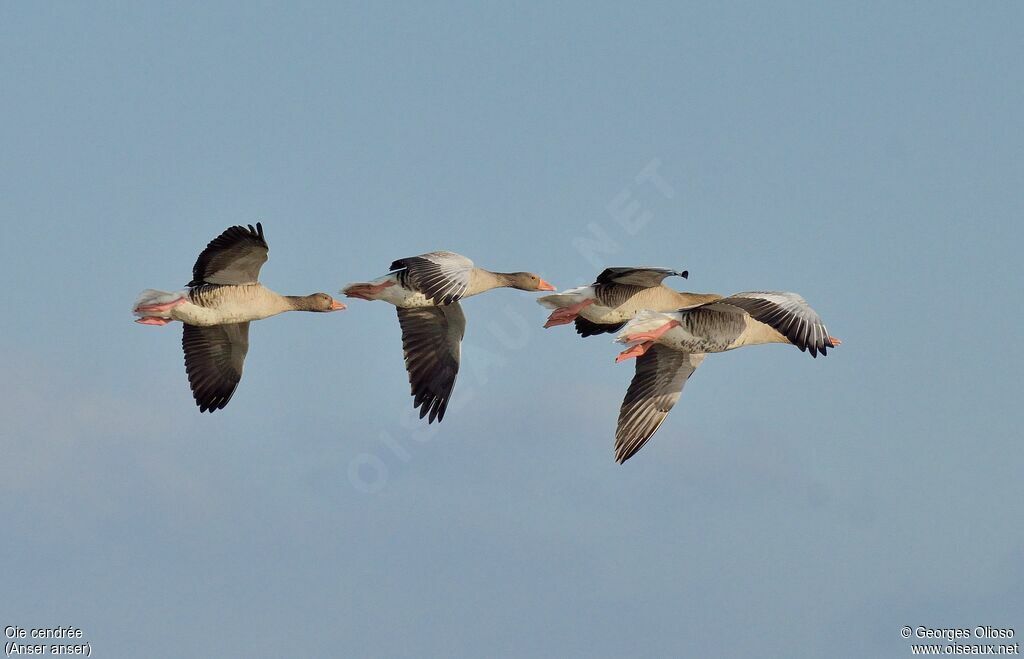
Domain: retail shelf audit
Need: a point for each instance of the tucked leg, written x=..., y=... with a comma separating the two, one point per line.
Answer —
x=634, y=351
x=165, y=306
x=654, y=334
x=566, y=315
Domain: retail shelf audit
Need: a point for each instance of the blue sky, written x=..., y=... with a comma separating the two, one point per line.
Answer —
x=866, y=156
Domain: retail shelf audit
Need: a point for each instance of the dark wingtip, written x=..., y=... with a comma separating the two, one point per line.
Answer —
x=685, y=274
x=433, y=409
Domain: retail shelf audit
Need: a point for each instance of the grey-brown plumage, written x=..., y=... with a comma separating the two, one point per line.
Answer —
x=657, y=383
x=431, y=341
x=711, y=329
x=233, y=257
x=615, y=287
x=616, y=295
x=214, y=357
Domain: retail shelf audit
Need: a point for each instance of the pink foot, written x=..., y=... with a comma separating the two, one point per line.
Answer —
x=634, y=351
x=366, y=291
x=559, y=317
x=566, y=315
x=166, y=306
x=152, y=320
x=653, y=335
x=834, y=341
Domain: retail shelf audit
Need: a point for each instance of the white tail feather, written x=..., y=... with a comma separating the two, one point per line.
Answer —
x=554, y=301
x=566, y=298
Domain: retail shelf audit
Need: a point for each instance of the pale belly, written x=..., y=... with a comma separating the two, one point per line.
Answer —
x=596, y=313
x=401, y=297
x=223, y=314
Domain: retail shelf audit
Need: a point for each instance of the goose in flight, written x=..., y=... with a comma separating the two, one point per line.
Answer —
x=617, y=295
x=426, y=291
x=669, y=346
x=216, y=308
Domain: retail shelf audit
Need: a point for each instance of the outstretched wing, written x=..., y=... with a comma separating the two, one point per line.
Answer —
x=441, y=276
x=657, y=383
x=213, y=361
x=644, y=276
x=787, y=313
x=432, y=342
x=233, y=257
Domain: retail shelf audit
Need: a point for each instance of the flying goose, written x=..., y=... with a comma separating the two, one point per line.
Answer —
x=617, y=295
x=670, y=346
x=426, y=291
x=216, y=308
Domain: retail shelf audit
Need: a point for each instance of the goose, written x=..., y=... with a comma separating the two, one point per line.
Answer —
x=615, y=297
x=216, y=308
x=670, y=346
x=426, y=291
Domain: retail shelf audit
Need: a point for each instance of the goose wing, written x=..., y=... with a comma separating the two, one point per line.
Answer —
x=432, y=342
x=213, y=361
x=233, y=257
x=657, y=384
x=441, y=276
x=787, y=313
x=646, y=277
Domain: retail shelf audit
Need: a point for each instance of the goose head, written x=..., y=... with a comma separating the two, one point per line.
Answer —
x=319, y=302
x=527, y=281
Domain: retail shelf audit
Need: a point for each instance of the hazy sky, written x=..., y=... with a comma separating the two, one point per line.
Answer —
x=866, y=156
